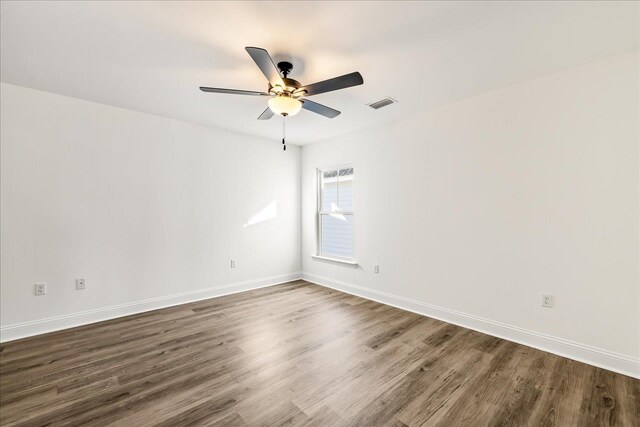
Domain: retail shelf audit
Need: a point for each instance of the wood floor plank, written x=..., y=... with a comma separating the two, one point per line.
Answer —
x=298, y=354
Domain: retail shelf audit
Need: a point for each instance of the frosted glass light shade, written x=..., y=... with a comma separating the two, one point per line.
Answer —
x=284, y=105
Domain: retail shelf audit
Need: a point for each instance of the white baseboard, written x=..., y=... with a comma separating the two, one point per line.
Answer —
x=50, y=324
x=583, y=353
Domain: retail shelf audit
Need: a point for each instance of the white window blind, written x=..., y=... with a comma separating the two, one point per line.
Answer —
x=335, y=212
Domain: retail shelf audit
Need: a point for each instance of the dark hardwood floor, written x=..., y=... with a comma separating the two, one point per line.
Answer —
x=299, y=354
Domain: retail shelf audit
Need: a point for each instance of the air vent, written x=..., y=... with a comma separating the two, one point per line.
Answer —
x=382, y=103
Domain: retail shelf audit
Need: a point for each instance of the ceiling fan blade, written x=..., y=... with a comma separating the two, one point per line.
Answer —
x=323, y=110
x=266, y=114
x=233, y=91
x=266, y=65
x=342, y=82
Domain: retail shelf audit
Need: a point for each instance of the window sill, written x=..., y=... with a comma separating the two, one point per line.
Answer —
x=352, y=263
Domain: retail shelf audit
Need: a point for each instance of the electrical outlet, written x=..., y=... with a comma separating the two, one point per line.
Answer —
x=40, y=289
x=547, y=300
x=376, y=268
x=80, y=284
x=233, y=263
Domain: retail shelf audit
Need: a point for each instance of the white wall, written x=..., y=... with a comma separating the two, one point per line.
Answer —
x=147, y=209
x=475, y=209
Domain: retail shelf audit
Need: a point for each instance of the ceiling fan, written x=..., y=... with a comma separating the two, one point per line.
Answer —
x=288, y=96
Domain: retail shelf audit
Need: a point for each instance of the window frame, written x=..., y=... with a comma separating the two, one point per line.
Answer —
x=319, y=213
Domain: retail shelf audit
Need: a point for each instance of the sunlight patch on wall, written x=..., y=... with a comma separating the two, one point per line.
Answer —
x=268, y=212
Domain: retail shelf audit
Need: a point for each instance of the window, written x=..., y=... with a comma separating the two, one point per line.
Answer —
x=335, y=212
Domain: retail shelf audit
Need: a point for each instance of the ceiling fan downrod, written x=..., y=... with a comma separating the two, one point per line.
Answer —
x=285, y=68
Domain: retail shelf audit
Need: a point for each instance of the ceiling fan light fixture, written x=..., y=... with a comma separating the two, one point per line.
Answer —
x=285, y=105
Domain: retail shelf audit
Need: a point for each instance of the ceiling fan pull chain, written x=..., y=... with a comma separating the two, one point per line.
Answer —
x=284, y=145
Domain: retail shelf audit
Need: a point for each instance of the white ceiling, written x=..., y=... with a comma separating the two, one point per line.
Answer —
x=152, y=56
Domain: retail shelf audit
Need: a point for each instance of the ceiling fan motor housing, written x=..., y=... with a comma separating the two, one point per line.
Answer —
x=290, y=86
